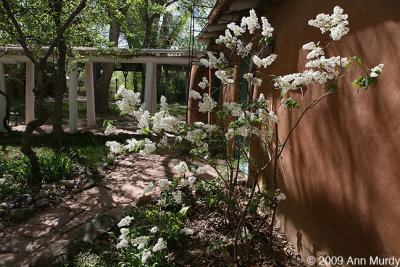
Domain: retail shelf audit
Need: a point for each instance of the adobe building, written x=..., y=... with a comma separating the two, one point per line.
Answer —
x=341, y=173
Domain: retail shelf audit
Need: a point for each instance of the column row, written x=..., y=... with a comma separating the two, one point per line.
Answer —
x=150, y=94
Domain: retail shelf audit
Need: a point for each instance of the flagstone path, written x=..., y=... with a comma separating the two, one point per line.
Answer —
x=120, y=187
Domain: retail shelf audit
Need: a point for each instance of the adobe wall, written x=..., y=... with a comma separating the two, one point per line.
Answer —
x=341, y=173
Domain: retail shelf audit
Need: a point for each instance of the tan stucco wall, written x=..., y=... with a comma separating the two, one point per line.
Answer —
x=341, y=172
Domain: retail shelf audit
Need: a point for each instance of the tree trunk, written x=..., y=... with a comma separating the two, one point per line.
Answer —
x=103, y=86
x=60, y=88
x=6, y=118
x=39, y=91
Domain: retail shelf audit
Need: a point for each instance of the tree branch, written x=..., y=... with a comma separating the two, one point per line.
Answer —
x=21, y=36
x=60, y=34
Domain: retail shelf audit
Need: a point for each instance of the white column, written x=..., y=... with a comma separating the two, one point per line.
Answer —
x=2, y=98
x=73, y=99
x=29, y=96
x=150, y=91
x=91, y=113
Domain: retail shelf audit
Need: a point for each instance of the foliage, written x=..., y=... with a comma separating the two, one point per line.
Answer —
x=54, y=166
x=145, y=235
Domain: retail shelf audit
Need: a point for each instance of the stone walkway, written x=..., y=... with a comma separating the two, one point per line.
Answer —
x=64, y=222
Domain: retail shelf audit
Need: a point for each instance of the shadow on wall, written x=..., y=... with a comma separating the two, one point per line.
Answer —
x=341, y=172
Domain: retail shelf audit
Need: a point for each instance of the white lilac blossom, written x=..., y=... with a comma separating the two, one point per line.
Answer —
x=200, y=171
x=251, y=22
x=230, y=134
x=376, y=71
x=160, y=245
x=263, y=114
x=228, y=40
x=114, y=147
x=265, y=62
x=109, y=129
x=225, y=76
x=148, y=148
x=182, y=168
x=154, y=230
x=207, y=127
x=267, y=30
x=132, y=144
x=187, y=231
x=243, y=50
x=149, y=188
x=261, y=99
x=237, y=30
x=163, y=103
x=214, y=62
x=194, y=95
x=145, y=255
x=124, y=234
x=243, y=131
x=2, y=181
x=123, y=244
x=335, y=23
x=315, y=50
x=328, y=64
x=234, y=108
x=204, y=83
x=129, y=99
x=162, y=202
x=294, y=80
x=140, y=242
x=257, y=82
x=208, y=104
x=195, y=136
x=164, y=184
x=143, y=117
x=163, y=121
x=189, y=181
x=273, y=117
x=177, y=195
x=279, y=196
x=125, y=221
x=248, y=77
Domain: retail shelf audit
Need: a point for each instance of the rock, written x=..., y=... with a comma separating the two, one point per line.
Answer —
x=68, y=183
x=88, y=183
x=143, y=200
x=55, y=254
x=25, y=198
x=7, y=205
x=2, y=226
x=48, y=186
x=44, y=202
x=19, y=215
x=34, y=189
x=2, y=212
x=42, y=194
x=100, y=224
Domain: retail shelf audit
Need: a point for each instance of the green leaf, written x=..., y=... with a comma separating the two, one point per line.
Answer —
x=358, y=60
x=291, y=103
x=253, y=208
x=357, y=82
x=334, y=87
x=183, y=211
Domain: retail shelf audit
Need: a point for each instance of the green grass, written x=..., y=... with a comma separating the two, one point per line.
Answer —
x=89, y=148
x=84, y=149
x=18, y=105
